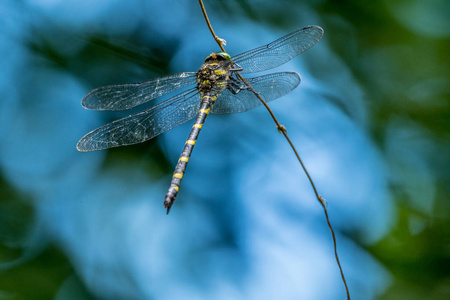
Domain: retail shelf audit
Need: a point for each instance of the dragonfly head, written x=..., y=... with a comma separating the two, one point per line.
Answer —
x=219, y=56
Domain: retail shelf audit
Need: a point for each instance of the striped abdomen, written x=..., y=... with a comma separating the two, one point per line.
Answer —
x=212, y=80
x=205, y=107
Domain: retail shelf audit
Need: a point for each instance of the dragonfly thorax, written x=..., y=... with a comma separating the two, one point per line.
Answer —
x=213, y=76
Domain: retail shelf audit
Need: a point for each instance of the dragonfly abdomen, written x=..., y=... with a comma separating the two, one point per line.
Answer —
x=207, y=102
x=212, y=79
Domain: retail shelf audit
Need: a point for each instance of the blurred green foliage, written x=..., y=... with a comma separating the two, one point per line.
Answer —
x=406, y=77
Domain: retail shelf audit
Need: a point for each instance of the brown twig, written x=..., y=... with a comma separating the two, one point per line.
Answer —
x=218, y=40
x=282, y=129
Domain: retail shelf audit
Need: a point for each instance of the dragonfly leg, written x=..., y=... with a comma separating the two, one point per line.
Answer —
x=236, y=67
x=235, y=87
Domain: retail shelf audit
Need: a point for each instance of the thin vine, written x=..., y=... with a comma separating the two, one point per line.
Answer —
x=282, y=129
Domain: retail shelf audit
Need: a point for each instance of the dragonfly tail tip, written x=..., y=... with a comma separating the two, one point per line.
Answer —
x=168, y=202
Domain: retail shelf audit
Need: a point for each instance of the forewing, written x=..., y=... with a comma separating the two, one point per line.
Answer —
x=269, y=87
x=145, y=125
x=126, y=96
x=278, y=52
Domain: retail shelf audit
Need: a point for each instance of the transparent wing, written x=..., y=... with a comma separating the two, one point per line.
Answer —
x=126, y=96
x=278, y=52
x=145, y=125
x=269, y=87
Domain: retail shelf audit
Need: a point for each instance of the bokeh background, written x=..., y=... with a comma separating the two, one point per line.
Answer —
x=370, y=120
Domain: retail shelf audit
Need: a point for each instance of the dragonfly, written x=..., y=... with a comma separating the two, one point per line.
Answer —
x=216, y=89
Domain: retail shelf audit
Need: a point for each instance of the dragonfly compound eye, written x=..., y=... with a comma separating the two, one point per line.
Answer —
x=220, y=56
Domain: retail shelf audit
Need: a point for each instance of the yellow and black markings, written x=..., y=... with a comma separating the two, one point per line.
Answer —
x=212, y=79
